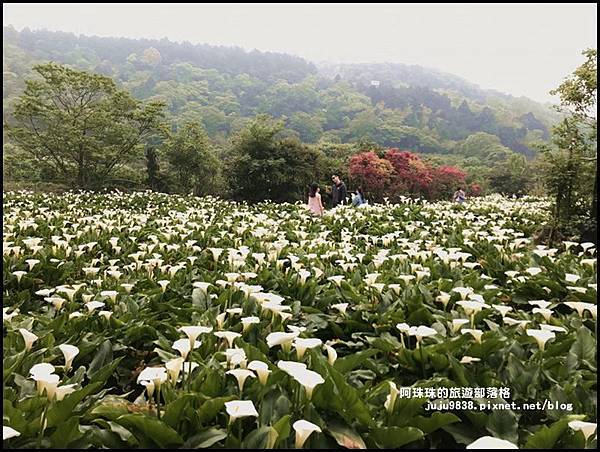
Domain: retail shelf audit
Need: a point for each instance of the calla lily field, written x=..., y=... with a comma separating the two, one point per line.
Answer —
x=146, y=320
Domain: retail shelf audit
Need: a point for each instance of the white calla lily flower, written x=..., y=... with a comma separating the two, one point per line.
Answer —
x=241, y=375
x=331, y=354
x=341, y=307
x=94, y=305
x=112, y=294
x=9, y=432
x=240, y=408
x=247, y=322
x=184, y=347
x=489, y=442
x=475, y=333
x=301, y=345
x=469, y=360
x=69, y=352
x=229, y=336
x=280, y=338
x=156, y=375
x=541, y=336
x=261, y=369
x=192, y=332
x=28, y=337
x=62, y=391
x=587, y=428
x=174, y=367
x=580, y=306
x=303, y=430
x=390, y=400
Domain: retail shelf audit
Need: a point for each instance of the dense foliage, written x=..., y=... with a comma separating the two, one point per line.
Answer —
x=256, y=126
x=195, y=164
x=263, y=166
x=148, y=320
x=80, y=128
x=224, y=88
x=401, y=173
x=570, y=163
x=80, y=125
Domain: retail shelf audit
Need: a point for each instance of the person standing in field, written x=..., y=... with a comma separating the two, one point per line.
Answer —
x=315, y=205
x=338, y=191
x=459, y=196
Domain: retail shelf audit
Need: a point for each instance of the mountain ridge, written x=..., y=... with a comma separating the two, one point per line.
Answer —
x=421, y=108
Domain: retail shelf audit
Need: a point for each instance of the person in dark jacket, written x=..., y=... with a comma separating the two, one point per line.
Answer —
x=338, y=191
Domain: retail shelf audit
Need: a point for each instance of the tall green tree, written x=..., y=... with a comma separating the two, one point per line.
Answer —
x=571, y=162
x=512, y=177
x=193, y=161
x=152, y=168
x=484, y=146
x=263, y=166
x=81, y=124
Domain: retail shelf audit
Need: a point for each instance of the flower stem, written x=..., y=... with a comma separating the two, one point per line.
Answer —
x=43, y=426
x=422, y=360
x=182, y=375
x=189, y=375
x=158, y=402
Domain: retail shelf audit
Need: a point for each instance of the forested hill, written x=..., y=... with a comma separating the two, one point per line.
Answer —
x=392, y=105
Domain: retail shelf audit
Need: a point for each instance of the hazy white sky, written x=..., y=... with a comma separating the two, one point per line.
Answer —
x=521, y=49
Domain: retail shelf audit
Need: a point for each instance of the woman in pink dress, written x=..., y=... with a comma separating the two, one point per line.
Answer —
x=314, y=200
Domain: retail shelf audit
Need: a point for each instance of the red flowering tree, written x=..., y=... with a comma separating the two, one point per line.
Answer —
x=374, y=174
x=412, y=176
x=474, y=189
x=446, y=180
x=404, y=173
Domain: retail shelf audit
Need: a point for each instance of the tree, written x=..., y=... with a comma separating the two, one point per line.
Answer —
x=444, y=181
x=309, y=127
x=193, y=161
x=81, y=124
x=263, y=166
x=374, y=174
x=566, y=175
x=513, y=177
x=485, y=147
x=572, y=160
x=412, y=176
x=151, y=57
x=152, y=168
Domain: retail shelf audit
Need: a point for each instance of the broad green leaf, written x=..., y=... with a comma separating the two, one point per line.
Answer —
x=262, y=438
x=159, y=432
x=583, y=350
x=174, y=411
x=110, y=408
x=60, y=411
x=350, y=400
x=435, y=421
x=546, y=437
x=283, y=428
x=394, y=437
x=102, y=358
x=345, y=436
x=205, y=439
x=351, y=362
x=66, y=433
x=209, y=409
x=504, y=424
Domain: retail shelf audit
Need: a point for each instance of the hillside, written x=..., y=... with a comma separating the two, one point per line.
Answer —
x=412, y=107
